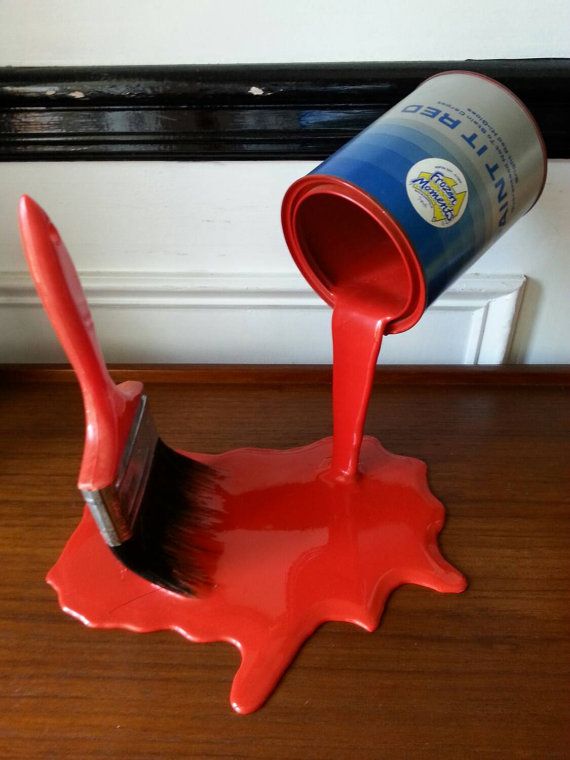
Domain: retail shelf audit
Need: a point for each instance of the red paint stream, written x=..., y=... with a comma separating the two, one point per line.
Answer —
x=318, y=533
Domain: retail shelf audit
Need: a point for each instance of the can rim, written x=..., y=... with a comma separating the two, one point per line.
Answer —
x=524, y=108
x=313, y=184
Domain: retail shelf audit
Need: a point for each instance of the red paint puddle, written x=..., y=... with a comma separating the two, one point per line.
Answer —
x=295, y=552
x=304, y=536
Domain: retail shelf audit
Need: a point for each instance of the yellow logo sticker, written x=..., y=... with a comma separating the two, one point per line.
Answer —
x=438, y=191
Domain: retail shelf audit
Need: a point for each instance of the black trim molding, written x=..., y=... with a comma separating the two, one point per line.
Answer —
x=273, y=111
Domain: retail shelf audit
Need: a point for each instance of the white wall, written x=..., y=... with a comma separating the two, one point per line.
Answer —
x=214, y=227
x=72, y=32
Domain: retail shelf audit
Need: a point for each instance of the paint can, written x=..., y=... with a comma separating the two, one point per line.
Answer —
x=419, y=195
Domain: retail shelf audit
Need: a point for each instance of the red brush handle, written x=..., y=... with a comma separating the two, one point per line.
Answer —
x=109, y=409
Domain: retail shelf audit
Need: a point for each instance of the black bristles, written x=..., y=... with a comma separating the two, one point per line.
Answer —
x=173, y=542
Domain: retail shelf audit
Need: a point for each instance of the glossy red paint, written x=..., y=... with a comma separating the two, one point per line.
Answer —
x=292, y=550
x=364, y=310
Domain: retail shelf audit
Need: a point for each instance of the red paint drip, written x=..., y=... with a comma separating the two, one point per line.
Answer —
x=304, y=536
x=357, y=336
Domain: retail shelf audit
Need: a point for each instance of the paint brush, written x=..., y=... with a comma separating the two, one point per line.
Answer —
x=152, y=505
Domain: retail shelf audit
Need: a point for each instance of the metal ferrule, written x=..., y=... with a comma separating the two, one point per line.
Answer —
x=115, y=507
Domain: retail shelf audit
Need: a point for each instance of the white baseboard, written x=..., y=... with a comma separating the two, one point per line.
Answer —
x=251, y=317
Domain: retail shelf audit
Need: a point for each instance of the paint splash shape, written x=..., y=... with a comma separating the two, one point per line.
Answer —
x=293, y=550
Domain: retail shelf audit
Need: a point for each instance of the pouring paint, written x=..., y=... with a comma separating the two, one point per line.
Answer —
x=327, y=531
x=383, y=226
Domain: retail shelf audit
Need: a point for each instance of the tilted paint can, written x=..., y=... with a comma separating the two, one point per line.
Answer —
x=437, y=179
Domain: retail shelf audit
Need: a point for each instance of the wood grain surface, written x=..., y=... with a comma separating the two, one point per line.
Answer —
x=483, y=674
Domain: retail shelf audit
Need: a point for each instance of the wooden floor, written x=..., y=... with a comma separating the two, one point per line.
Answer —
x=483, y=674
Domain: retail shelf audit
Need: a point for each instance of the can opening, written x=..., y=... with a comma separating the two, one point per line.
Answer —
x=340, y=238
